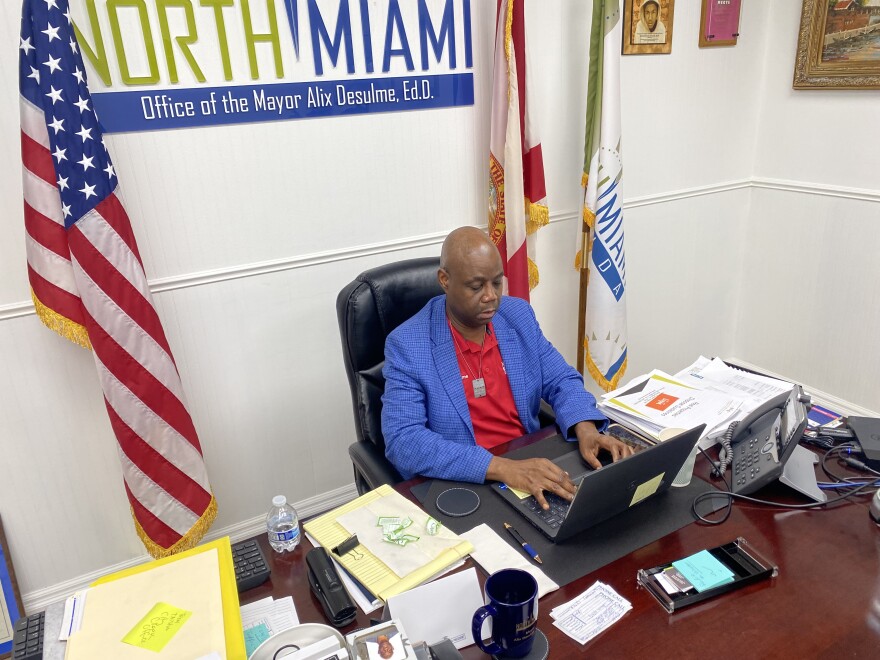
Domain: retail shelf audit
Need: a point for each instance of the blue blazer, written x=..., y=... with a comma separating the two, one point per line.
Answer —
x=425, y=417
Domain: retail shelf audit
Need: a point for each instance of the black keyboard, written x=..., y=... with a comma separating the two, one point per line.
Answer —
x=251, y=569
x=27, y=637
x=552, y=516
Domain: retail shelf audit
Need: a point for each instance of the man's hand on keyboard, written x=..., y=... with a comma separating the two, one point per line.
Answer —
x=590, y=441
x=533, y=475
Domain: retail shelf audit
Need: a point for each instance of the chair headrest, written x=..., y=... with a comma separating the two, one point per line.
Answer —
x=379, y=300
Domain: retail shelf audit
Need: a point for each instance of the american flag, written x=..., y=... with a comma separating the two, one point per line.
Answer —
x=517, y=195
x=88, y=284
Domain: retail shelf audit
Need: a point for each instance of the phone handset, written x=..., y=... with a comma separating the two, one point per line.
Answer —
x=739, y=430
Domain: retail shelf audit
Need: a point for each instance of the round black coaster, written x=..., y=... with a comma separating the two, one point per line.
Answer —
x=540, y=649
x=457, y=502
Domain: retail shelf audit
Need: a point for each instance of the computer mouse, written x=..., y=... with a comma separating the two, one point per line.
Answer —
x=875, y=507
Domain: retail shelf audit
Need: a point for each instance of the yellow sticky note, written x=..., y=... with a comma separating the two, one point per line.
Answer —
x=647, y=489
x=157, y=628
x=521, y=494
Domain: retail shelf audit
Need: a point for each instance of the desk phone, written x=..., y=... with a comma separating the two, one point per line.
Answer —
x=758, y=446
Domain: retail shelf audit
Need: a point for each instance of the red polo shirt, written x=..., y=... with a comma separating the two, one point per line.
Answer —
x=494, y=416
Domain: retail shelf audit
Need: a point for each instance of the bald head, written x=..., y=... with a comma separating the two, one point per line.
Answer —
x=471, y=273
x=464, y=243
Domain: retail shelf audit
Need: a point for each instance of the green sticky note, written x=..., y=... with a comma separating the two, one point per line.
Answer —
x=157, y=628
x=704, y=571
x=254, y=636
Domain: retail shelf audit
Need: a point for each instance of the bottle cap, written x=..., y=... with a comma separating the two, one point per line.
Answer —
x=279, y=500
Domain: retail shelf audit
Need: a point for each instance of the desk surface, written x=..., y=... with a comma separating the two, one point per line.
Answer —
x=825, y=601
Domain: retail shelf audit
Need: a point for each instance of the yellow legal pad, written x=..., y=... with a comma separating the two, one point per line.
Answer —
x=365, y=566
x=200, y=581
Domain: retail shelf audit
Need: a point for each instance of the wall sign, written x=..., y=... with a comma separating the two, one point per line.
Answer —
x=161, y=64
x=719, y=23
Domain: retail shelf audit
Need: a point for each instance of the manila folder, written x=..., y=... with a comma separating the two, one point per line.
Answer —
x=112, y=609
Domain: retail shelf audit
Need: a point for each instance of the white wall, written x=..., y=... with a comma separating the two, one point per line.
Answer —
x=246, y=248
x=809, y=306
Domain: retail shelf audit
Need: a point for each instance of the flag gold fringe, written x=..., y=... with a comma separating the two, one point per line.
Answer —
x=597, y=375
x=537, y=216
x=189, y=540
x=70, y=330
x=508, y=40
x=584, y=178
x=590, y=220
x=589, y=217
x=534, y=277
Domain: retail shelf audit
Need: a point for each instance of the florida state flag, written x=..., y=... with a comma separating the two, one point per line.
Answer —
x=517, y=196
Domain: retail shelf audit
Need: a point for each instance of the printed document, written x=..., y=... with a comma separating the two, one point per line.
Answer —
x=718, y=376
x=659, y=401
x=595, y=610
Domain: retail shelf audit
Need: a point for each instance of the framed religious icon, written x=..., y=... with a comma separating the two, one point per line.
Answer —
x=11, y=607
x=838, y=45
x=719, y=23
x=647, y=26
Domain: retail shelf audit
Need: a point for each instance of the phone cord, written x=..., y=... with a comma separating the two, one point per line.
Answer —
x=725, y=454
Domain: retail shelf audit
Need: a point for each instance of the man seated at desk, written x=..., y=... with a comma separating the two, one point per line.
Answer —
x=468, y=372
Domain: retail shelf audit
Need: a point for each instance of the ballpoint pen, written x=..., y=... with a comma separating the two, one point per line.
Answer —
x=530, y=551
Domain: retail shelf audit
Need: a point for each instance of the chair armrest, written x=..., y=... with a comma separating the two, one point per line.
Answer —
x=371, y=468
x=546, y=416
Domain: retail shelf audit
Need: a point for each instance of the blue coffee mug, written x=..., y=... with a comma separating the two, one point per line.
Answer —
x=512, y=602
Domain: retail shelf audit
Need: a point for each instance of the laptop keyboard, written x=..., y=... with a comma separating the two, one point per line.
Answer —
x=558, y=506
x=552, y=516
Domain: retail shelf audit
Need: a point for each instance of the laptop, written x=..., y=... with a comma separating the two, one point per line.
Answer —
x=604, y=493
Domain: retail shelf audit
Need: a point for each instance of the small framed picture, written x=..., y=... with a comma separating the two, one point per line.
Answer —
x=11, y=607
x=719, y=23
x=385, y=641
x=647, y=26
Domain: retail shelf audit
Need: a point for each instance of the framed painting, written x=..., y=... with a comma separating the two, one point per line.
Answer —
x=647, y=26
x=719, y=23
x=11, y=607
x=838, y=45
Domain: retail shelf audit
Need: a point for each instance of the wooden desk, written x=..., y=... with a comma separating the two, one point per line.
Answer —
x=824, y=603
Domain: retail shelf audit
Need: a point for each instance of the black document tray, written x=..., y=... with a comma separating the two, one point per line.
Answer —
x=747, y=564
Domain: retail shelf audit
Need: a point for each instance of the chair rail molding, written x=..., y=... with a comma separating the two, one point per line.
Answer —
x=161, y=285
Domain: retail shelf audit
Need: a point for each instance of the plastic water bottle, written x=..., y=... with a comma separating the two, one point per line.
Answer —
x=282, y=525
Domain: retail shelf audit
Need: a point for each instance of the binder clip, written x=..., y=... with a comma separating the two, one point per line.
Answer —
x=347, y=545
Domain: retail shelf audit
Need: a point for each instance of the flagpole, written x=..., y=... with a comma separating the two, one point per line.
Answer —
x=582, y=298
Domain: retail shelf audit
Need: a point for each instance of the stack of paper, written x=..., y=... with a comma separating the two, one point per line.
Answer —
x=590, y=613
x=718, y=376
x=657, y=401
x=708, y=392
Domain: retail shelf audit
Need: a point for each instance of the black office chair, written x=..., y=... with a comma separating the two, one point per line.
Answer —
x=368, y=309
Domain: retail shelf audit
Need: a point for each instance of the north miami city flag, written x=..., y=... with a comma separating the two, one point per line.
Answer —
x=600, y=256
x=88, y=284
